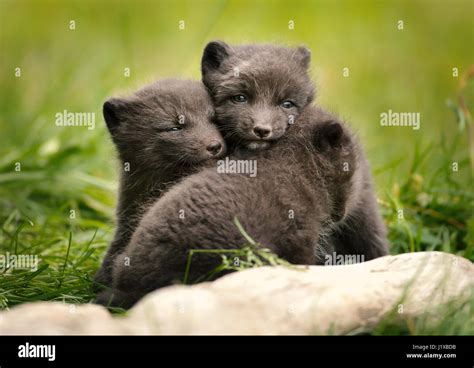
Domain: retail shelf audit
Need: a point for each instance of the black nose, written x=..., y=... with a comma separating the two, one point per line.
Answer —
x=214, y=148
x=261, y=131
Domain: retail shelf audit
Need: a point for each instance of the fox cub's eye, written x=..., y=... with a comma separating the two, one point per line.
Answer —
x=287, y=104
x=239, y=98
x=174, y=129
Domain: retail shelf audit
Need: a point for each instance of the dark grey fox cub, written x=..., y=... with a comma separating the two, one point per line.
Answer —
x=163, y=132
x=258, y=90
x=259, y=93
x=302, y=185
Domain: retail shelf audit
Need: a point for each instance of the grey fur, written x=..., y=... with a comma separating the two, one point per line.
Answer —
x=302, y=172
x=267, y=75
x=362, y=230
x=335, y=210
x=157, y=158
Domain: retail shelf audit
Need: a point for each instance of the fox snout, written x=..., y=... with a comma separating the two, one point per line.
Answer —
x=215, y=148
x=262, y=131
x=266, y=125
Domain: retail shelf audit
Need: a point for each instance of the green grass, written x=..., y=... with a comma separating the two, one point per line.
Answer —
x=71, y=248
x=455, y=318
x=250, y=255
x=74, y=169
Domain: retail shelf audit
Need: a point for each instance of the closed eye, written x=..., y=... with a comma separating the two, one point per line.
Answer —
x=174, y=129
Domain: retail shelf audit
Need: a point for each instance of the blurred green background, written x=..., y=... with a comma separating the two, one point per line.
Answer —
x=402, y=70
x=64, y=168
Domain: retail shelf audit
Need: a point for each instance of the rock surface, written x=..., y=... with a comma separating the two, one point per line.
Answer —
x=270, y=300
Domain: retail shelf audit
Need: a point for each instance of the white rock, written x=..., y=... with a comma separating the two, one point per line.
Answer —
x=271, y=300
x=56, y=318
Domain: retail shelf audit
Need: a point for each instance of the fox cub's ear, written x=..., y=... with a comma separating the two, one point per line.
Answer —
x=329, y=135
x=304, y=56
x=113, y=111
x=214, y=54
